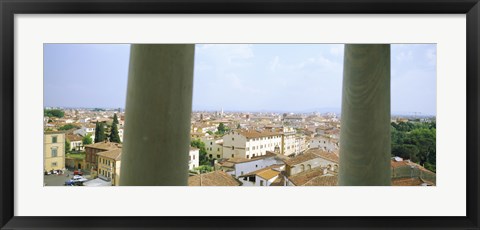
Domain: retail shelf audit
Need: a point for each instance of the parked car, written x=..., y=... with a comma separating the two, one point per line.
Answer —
x=78, y=177
x=78, y=172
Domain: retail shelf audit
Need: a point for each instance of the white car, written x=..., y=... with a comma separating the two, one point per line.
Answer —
x=78, y=177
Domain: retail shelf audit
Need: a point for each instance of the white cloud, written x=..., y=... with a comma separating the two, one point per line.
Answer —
x=337, y=50
x=274, y=63
x=228, y=52
x=405, y=55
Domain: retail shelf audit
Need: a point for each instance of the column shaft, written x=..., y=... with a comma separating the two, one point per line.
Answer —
x=365, y=119
x=157, y=113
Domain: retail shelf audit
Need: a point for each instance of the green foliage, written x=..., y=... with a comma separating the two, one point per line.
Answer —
x=204, y=169
x=115, y=119
x=431, y=167
x=203, y=153
x=100, y=132
x=67, y=145
x=53, y=113
x=221, y=128
x=406, y=151
x=68, y=126
x=415, y=141
x=238, y=126
x=79, y=156
x=210, y=132
x=86, y=140
x=114, y=137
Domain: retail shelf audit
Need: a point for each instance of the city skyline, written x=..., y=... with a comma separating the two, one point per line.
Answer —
x=298, y=78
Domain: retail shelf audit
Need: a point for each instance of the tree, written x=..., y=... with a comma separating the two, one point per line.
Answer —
x=210, y=132
x=415, y=141
x=221, y=128
x=114, y=137
x=86, y=140
x=204, y=168
x=203, y=153
x=99, y=132
x=238, y=126
x=68, y=126
x=115, y=119
x=406, y=151
x=53, y=113
x=67, y=145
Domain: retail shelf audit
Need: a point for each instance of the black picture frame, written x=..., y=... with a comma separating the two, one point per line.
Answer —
x=9, y=8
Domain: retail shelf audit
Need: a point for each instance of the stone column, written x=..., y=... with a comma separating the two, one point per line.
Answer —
x=365, y=119
x=158, y=108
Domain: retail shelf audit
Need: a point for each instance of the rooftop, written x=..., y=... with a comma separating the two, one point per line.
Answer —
x=115, y=154
x=105, y=145
x=268, y=174
x=324, y=180
x=215, y=178
x=304, y=177
x=311, y=154
x=410, y=182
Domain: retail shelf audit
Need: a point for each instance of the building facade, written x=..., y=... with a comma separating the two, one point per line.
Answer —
x=91, y=153
x=194, y=160
x=109, y=163
x=214, y=147
x=53, y=151
x=248, y=144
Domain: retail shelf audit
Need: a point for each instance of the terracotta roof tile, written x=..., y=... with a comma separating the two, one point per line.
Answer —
x=115, y=154
x=216, y=178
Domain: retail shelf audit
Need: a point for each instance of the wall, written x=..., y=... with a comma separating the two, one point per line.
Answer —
x=314, y=163
x=251, y=166
x=49, y=161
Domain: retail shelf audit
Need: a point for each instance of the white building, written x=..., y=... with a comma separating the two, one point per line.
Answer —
x=120, y=134
x=248, y=144
x=86, y=129
x=193, y=161
x=262, y=177
x=300, y=144
x=75, y=142
x=288, y=141
x=240, y=166
x=324, y=143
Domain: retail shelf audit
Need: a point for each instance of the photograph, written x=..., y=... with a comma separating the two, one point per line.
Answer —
x=259, y=114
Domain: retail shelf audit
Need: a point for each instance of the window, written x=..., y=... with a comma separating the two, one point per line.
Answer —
x=54, y=152
x=218, y=149
x=261, y=183
x=54, y=139
x=233, y=155
x=194, y=157
x=233, y=139
x=211, y=143
x=233, y=147
x=54, y=164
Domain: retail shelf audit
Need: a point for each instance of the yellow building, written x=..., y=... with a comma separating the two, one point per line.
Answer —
x=109, y=165
x=53, y=151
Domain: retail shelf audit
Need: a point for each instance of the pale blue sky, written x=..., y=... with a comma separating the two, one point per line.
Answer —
x=240, y=77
